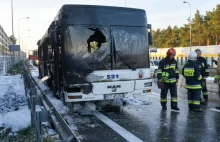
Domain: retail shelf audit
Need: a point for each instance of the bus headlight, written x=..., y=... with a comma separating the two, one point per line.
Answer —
x=147, y=84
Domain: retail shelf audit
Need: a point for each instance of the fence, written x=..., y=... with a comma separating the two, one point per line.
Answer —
x=209, y=52
x=8, y=60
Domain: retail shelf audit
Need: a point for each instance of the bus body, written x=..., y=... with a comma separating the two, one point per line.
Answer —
x=96, y=53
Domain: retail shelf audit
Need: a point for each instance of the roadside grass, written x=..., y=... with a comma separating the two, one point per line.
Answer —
x=16, y=70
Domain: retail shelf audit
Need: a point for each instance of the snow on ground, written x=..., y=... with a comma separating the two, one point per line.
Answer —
x=210, y=80
x=58, y=104
x=16, y=119
x=14, y=112
x=134, y=101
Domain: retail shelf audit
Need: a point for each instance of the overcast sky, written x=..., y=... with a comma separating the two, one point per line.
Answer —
x=160, y=13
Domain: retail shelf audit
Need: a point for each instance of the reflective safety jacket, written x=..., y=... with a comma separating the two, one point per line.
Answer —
x=168, y=70
x=192, y=74
x=217, y=77
x=203, y=66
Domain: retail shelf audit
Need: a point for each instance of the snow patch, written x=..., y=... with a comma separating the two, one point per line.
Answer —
x=133, y=101
x=77, y=107
x=91, y=125
x=71, y=123
x=16, y=120
x=210, y=78
x=14, y=112
x=58, y=104
x=88, y=108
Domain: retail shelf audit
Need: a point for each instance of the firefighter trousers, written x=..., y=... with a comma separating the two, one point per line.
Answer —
x=194, y=98
x=204, y=89
x=173, y=92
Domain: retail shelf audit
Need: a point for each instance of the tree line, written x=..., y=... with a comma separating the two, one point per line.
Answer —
x=205, y=31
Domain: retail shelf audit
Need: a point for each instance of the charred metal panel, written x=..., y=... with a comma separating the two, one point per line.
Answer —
x=79, y=59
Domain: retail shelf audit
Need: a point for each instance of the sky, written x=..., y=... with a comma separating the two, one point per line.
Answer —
x=160, y=14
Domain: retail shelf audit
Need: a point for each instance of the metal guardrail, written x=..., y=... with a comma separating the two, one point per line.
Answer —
x=42, y=110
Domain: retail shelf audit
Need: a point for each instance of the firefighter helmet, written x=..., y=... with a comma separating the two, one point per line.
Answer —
x=171, y=51
x=198, y=51
x=192, y=55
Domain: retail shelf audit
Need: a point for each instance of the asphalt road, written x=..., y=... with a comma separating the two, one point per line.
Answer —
x=149, y=123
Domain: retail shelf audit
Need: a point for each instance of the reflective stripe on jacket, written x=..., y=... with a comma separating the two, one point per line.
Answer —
x=168, y=70
x=192, y=74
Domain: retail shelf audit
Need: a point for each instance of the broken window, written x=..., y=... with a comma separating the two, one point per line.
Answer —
x=95, y=40
x=87, y=48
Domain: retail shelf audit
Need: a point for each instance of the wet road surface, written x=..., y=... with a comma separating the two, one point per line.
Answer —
x=150, y=124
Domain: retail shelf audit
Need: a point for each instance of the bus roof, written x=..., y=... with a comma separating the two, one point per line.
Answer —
x=98, y=15
x=101, y=15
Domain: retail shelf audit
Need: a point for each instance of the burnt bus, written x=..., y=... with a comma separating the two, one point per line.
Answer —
x=96, y=53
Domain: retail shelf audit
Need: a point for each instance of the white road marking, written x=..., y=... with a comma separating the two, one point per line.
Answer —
x=117, y=128
x=213, y=109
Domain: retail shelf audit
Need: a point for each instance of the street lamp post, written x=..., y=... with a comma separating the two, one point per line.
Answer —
x=22, y=40
x=12, y=29
x=190, y=26
x=19, y=27
x=12, y=18
x=19, y=35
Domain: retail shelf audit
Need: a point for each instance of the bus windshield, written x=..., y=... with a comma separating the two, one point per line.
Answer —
x=105, y=48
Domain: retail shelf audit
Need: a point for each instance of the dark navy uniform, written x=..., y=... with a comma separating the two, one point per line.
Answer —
x=193, y=77
x=205, y=73
x=217, y=80
x=169, y=74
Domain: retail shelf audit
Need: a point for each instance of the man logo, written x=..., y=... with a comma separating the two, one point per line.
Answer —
x=113, y=87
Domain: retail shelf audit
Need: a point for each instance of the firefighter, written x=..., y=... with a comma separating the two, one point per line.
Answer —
x=217, y=78
x=168, y=74
x=193, y=77
x=204, y=72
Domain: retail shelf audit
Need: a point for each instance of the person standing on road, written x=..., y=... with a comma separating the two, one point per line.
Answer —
x=204, y=72
x=193, y=77
x=168, y=74
x=217, y=78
